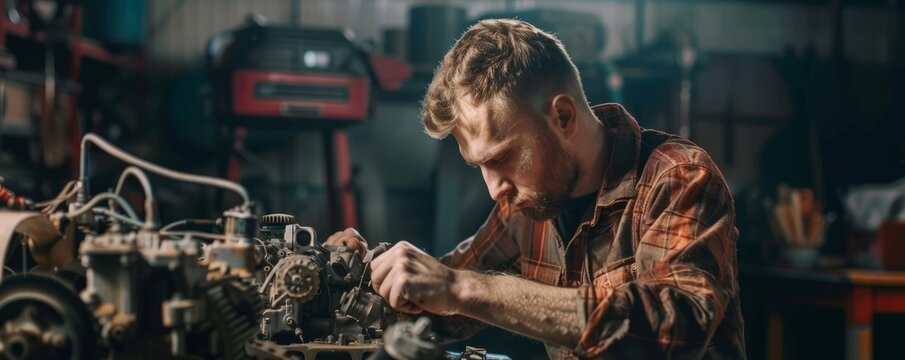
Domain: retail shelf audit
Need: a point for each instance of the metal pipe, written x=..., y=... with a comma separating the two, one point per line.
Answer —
x=121, y=154
x=150, y=214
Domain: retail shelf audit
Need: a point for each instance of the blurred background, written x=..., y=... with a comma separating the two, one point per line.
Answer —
x=314, y=106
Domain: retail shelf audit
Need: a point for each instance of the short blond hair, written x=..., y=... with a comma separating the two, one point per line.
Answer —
x=502, y=62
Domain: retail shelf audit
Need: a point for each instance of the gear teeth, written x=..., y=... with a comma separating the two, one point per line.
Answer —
x=277, y=219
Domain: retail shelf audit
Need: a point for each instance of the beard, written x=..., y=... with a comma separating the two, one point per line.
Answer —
x=562, y=171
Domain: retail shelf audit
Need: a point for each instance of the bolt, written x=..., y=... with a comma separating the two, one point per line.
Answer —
x=422, y=325
x=55, y=339
x=298, y=332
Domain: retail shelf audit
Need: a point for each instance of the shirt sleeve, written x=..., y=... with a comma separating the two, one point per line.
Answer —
x=685, y=272
x=491, y=249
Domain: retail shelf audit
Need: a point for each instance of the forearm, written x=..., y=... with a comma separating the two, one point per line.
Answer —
x=539, y=311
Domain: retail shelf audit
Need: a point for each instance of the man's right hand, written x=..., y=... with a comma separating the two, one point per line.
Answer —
x=349, y=238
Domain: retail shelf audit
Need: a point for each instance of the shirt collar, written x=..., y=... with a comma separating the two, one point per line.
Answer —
x=623, y=135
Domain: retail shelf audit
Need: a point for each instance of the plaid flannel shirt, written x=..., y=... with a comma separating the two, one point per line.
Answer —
x=653, y=263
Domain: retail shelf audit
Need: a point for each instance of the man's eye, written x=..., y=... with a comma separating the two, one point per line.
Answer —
x=499, y=160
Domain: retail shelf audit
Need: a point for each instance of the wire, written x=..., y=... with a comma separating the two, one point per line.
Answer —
x=267, y=281
x=174, y=224
x=117, y=216
x=68, y=191
x=157, y=169
x=188, y=222
x=66, y=188
x=203, y=235
x=101, y=197
x=139, y=175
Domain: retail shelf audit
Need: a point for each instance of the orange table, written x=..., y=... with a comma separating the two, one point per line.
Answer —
x=860, y=293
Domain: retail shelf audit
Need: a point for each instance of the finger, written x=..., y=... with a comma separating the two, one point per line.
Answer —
x=335, y=240
x=380, y=259
x=354, y=233
x=332, y=239
x=395, y=293
x=354, y=244
x=409, y=308
x=384, y=287
x=398, y=299
x=379, y=271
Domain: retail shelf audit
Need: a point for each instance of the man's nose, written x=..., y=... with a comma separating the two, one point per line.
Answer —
x=498, y=186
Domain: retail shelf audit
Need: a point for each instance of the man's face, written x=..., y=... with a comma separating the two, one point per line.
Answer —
x=522, y=160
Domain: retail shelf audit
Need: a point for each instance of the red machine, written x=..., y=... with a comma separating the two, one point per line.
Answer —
x=257, y=93
x=294, y=78
x=310, y=78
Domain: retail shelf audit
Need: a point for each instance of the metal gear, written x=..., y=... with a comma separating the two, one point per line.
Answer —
x=297, y=277
x=277, y=220
x=42, y=318
x=234, y=308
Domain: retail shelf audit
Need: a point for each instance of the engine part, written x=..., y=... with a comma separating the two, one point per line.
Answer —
x=296, y=279
x=136, y=290
x=316, y=301
x=406, y=340
x=40, y=235
x=409, y=341
x=41, y=318
x=148, y=292
x=233, y=307
x=367, y=308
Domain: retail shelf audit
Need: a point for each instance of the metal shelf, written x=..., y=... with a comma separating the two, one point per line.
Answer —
x=79, y=45
x=16, y=129
x=37, y=80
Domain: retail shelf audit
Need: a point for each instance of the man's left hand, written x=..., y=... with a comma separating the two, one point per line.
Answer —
x=412, y=281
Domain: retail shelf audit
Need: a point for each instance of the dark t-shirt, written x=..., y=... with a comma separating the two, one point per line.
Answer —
x=573, y=212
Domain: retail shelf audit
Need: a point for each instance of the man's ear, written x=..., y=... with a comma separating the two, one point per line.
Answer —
x=565, y=115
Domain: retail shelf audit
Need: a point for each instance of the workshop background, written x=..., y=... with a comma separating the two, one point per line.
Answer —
x=314, y=106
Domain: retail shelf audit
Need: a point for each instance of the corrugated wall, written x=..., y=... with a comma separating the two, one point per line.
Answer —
x=181, y=28
x=725, y=27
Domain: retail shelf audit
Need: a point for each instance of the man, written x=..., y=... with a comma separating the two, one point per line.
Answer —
x=606, y=240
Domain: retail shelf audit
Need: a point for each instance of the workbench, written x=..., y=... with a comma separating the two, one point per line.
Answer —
x=859, y=293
